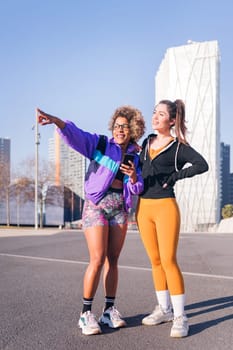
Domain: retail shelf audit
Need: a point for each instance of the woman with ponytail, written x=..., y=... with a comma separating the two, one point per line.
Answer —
x=162, y=158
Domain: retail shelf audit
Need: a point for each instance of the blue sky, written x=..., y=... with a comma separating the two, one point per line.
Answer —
x=81, y=59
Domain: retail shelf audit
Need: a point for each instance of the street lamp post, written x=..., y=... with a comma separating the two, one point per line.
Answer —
x=37, y=142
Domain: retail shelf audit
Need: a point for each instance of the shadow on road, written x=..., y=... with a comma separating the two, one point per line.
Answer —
x=209, y=306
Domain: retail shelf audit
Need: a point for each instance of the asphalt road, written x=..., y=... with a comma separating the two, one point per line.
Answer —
x=41, y=292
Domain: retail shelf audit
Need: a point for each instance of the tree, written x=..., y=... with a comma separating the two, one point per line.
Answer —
x=22, y=189
x=4, y=191
x=25, y=184
x=227, y=211
x=22, y=193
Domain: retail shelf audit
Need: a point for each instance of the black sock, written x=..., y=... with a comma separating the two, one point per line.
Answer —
x=87, y=304
x=109, y=302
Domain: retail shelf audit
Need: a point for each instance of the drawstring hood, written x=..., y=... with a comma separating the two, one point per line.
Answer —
x=163, y=150
x=167, y=167
x=176, y=155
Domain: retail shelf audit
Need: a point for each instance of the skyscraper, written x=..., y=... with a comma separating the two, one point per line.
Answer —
x=70, y=166
x=226, y=191
x=5, y=160
x=191, y=73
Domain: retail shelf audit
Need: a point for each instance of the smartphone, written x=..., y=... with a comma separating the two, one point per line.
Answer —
x=128, y=157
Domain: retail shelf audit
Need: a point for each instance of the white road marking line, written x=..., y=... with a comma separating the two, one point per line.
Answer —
x=120, y=266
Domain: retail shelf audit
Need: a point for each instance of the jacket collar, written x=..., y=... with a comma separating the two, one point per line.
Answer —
x=132, y=147
x=164, y=149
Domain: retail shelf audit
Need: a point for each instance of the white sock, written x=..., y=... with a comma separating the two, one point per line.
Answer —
x=178, y=302
x=163, y=298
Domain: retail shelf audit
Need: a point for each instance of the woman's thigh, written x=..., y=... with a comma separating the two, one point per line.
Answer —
x=97, y=242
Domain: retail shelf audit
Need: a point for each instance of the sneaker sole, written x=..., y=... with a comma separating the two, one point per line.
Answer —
x=91, y=331
x=176, y=334
x=106, y=321
x=145, y=323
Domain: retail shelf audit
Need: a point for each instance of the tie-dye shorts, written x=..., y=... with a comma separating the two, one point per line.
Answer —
x=109, y=211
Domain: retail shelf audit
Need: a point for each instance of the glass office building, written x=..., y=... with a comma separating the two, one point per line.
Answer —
x=191, y=73
x=70, y=166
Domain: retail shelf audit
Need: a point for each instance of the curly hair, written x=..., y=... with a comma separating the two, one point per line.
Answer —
x=135, y=119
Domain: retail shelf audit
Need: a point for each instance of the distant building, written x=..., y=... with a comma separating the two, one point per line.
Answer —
x=5, y=178
x=225, y=175
x=191, y=73
x=70, y=169
x=231, y=188
x=21, y=206
x=5, y=159
x=62, y=197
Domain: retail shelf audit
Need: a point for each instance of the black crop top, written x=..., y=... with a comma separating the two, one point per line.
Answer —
x=119, y=175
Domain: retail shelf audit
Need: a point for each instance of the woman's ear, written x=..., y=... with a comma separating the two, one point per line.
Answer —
x=172, y=123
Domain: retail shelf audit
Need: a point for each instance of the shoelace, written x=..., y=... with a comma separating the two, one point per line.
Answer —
x=91, y=319
x=179, y=321
x=159, y=309
x=115, y=314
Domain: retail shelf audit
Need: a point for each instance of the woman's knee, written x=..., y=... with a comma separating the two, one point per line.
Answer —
x=113, y=259
x=169, y=263
x=155, y=260
x=97, y=261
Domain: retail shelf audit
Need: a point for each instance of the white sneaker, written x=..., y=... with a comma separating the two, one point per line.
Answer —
x=158, y=316
x=88, y=323
x=180, y=327
x=112, y=318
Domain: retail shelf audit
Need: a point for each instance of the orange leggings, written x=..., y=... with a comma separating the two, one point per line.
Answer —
x=159, y=224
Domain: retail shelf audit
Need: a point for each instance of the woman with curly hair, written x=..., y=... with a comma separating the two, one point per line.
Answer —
x=109, y=185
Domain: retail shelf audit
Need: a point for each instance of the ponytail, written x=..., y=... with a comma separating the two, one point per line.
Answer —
x=176, y=112
x=180, y=127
